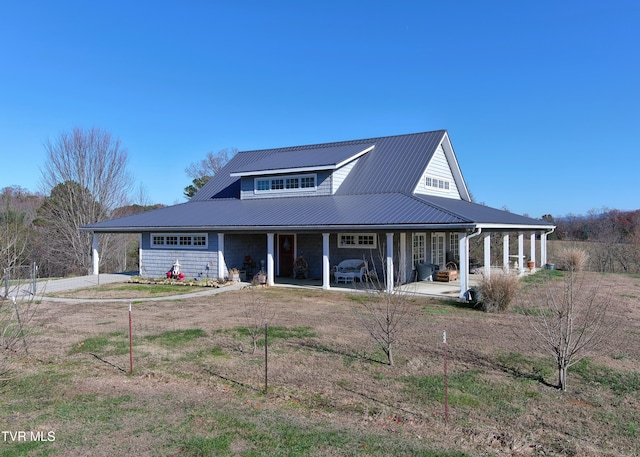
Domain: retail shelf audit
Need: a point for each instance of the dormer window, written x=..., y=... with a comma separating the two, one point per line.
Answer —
x=291, y=183
x=437, y=183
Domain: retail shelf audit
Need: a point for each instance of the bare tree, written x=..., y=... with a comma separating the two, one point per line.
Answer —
x=569, y=319
x=15, y=322
x=385, y=314
x=256, y=313
x=14, y=235
x=201, y=172
x=86, y=177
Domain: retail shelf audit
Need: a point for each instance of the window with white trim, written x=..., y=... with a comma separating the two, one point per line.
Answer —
x=454, y=245
x=289, y=183
x=419, y=248
x=182, y=240
x=357, y=240
x=437, y=183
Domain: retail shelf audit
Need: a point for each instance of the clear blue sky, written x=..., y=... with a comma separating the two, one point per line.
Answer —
x=541, y=98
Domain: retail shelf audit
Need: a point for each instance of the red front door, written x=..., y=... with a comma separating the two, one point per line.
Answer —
x=286, y=251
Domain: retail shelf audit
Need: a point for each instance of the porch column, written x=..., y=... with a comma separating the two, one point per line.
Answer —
x=270, y=256
x=403, y=257
x=505, y=252
x=140, y=266
x=464, y=264
x=390, y=280
x=95, y=257
x=487, y=255
x=222, y=273
x=326, y=274
x=532, y=255
x=521, y=253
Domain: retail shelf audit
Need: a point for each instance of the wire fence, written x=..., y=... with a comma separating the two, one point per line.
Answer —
x=20, y=281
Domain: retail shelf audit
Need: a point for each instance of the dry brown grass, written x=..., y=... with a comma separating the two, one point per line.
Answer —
x=330, y=377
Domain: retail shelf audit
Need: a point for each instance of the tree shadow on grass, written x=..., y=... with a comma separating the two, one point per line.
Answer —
x=322, y=348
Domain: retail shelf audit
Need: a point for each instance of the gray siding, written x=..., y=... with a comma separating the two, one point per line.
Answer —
x=203, y=264
x=323, y=183
x=194, y=263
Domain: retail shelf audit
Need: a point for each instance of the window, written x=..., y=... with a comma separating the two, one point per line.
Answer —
x=357, y=240
x=436, y=183
x=263, y=184
x=290, y=183
x=185, y=241
x=419, y=248
x=277, y=184
x=308, y=182
x=454, y=245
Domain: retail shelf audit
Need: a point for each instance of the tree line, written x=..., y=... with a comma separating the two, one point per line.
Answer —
x=85, y=179
x=610, y=236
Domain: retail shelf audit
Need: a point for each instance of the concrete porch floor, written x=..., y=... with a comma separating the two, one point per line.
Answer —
x=428, y=288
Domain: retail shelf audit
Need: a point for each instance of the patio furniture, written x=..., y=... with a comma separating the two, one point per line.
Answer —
x=449, y=274
x=347, y=270
x=300, y=267
x=426, y=271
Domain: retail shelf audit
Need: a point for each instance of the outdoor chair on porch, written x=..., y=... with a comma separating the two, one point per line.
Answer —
x=300, y=267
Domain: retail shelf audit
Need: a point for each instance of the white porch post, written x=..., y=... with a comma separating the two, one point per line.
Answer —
x=270, y=256
x=505, y=252
x=520, y=253
x=464, y=264
x=487, y=255
x=222, y=270
x=140, y=266
x=403, y=257
x=532, y=241
x=326, y=274
x=390, y=280
x=95, y=257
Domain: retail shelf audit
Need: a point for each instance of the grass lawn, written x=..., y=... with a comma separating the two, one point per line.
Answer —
x=197, y=388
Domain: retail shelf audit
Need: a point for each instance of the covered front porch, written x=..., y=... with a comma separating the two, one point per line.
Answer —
x=397, y=259
x=449, y=289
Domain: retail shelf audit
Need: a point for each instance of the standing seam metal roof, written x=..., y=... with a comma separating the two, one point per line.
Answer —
x=378, y=192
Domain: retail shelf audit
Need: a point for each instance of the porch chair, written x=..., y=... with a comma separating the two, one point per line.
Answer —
x=300, y=267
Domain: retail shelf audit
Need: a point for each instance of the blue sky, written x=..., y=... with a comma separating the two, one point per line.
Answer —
x=541, y=98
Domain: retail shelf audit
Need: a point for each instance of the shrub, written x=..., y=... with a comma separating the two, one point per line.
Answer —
x=498, y=292
x=573, y=259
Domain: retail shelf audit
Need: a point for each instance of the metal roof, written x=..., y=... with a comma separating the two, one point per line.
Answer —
x=377, y=194
x=287, y=160
x=395, y=164
x=379, y=211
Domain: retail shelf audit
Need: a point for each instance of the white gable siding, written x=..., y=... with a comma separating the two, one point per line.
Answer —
x=340, y=174
x=438, y=168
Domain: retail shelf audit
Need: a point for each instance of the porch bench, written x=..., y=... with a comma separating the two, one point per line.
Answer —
x=347, y=270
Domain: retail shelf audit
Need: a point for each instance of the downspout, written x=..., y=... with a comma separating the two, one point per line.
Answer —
x=543, y=247
x=464, y=266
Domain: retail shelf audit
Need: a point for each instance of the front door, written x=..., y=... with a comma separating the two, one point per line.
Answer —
x=286, y=250
x=438, y=250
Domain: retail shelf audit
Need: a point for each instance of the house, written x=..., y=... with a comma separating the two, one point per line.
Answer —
x=396, y=201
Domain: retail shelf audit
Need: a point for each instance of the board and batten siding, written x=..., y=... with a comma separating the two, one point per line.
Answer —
x=438, y=168
x=194, y=263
